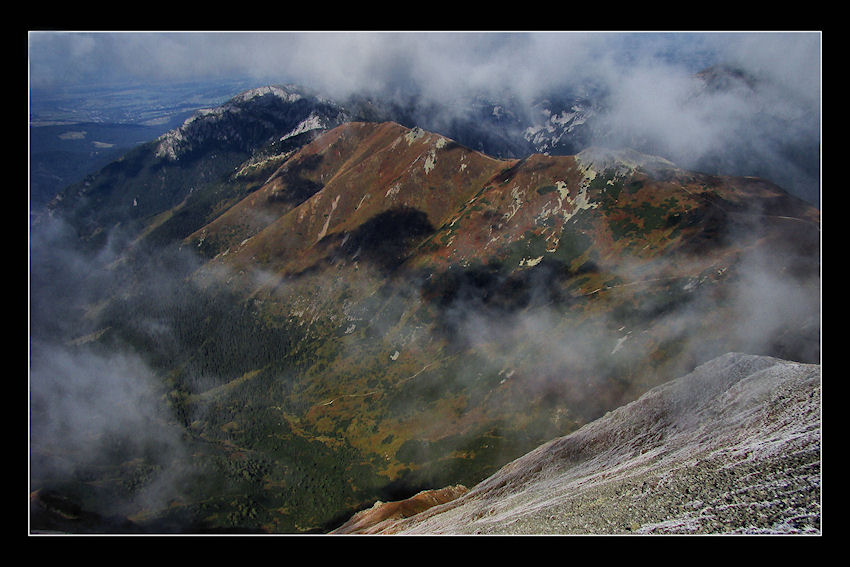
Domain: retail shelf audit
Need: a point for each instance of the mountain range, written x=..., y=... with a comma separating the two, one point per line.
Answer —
x=290, y=309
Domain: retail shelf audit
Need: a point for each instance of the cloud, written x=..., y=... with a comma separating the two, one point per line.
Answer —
x=765, y=122
x=85, y=402
x=434, y=62
x=431, y=61
x=652, y=96
x=91, y=409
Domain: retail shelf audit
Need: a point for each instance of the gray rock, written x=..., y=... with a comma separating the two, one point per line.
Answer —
x=732, y=447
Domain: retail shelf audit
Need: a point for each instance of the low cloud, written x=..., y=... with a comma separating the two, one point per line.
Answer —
x=93, y=406
x=647, y=80
x=85, y=403
x=90, y=410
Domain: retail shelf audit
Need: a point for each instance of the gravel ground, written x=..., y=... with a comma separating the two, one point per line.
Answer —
x=732, y=448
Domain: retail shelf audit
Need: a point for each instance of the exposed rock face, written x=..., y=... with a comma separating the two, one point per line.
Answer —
x=250, y=120
x=384, y=514
x=733, y=447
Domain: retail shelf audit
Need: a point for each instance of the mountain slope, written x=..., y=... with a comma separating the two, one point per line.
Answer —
x=733, y=447
x=180, y=173
x=369, y=311
x=554, y=289
x=362, y=169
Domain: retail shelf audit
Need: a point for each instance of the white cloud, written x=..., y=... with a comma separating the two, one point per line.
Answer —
x=649, y=77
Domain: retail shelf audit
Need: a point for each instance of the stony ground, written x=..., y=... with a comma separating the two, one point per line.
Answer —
x=733, y=447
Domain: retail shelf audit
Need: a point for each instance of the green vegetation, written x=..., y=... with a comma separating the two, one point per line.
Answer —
x=295, y=407
x=531, y=245
x=138, y=188
x=289, y=480
x=606, y=188
x=623, y=228
x=462, y=459
x=572, y=244
x=641, y=220
x=281, y=435
x=231, y=373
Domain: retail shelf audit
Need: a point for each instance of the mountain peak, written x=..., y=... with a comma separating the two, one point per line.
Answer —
x=288, y=93
x=727, y=77
x=252, y=119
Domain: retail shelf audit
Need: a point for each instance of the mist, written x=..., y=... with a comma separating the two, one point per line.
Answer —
x=90, y=410
x=95, y=406
x=645, y=83
x=91, y=406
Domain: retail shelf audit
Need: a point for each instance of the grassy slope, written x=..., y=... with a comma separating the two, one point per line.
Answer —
x=523, y=300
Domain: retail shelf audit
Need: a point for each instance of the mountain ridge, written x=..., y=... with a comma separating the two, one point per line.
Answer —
x=372, y=310
x=708, y=452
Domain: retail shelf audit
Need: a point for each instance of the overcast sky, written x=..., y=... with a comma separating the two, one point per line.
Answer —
x=649, y=75
x=437, y=62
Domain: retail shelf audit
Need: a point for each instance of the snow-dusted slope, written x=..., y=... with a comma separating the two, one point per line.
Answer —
x=733, y=447
x=252, y=119
x=559, y=128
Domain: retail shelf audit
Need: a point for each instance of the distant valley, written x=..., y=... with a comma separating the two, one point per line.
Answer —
x=78, y=132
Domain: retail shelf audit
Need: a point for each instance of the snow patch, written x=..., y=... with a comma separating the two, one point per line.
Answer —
x=530, y=262
x=516, y=203
x=595, y=160
x=414, y=135
x=277, y=91
x=620, y=342
x=312, y=122
x=580, y=203
x=324, y=230
x=430, y=161
x=363, y=198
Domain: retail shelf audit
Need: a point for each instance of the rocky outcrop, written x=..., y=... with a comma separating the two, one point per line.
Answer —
x=251, y=120
x=732, y=447
x=383, y=514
